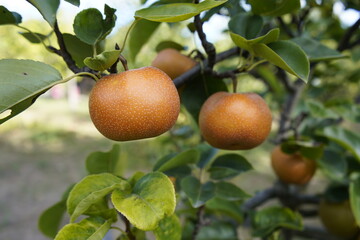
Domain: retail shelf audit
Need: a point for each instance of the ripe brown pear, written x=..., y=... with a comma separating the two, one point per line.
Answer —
x=235, y=121
x=338, y=218
x=173, y=63
x=134, y=104
x=292, y=168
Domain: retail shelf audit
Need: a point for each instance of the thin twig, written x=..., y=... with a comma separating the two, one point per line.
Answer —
x=128, y=228
x=113, y=68
x=284, y=79
x=54, y=50
x=63, y=51
x=309, y=213
x=199, y=221
x=315, y=233
x=259, y=199
x=181, y=80
x=208, y=47
x=289, y=106
x=345, y=41
x=285, y=27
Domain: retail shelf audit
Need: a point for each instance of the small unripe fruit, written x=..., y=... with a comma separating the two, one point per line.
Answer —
x=292, y=168
x=235, y=121
x=134, y=104
x=338, y=218
x=173, y=63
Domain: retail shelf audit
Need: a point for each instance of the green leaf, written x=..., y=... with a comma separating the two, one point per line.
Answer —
x=102, y=61
x=228, y=165
x=267, y=220
x=91, y=190
x=179, y=172
x=101, y=162
x=229, y=191
x=197, y=193
x=101, y=209
x=317, y=51
x=249, y=45
x=109, y=22
x=21, y=82
x=135, y=178
x=246, y=25
x=318, y=110
x=74, y=2
x=308, y=149
x=47, y=9
x=190, y=156
x=152, y=199
x=334, y=165
x=7, y=17
x=169, y=228
x=355, y=197
x=139, y=35
x=286, y=55
x=274, y=7
x=175, y=12
x=207, y=153
x=224, y=207
x=197, y=92
x=50, y=220
x=168, y=44
x=88, y=25
x=77, y=49
x=92, y=228
x=33, y=37
x=347, y=139
x=336, y=193
x=269, y=37
x=217, y=231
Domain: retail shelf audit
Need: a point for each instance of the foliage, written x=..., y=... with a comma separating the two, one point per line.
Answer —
x=306, y=75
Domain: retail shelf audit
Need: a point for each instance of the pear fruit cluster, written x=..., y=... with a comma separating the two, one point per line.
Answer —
x=144, y=103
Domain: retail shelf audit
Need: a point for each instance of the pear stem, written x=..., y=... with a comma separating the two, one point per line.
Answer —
x=123, y=62
x=234, y=82
x=127, y=34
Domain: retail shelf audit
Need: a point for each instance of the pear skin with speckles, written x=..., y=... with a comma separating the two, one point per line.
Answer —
x=135, y=104
x=173, y=63
x=235, y=121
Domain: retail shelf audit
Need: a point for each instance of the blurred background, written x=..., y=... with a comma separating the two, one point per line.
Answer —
x=43, y=150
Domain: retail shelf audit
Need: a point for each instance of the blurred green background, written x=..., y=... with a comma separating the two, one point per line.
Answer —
x=43, y=150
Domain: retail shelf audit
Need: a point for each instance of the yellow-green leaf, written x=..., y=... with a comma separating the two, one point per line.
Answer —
x=176, y=12
x=152, y=199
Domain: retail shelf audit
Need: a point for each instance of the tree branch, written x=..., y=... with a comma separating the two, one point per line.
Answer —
x=345, y=41
x=199, y=221
x=315, y=233
x=63, y=51
x=259, y=199
x=285, y=27
x=130, y=235
x=285, y=80
x=283, y=192
x=290, y=104
x=181, y=80
x=208, y=47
